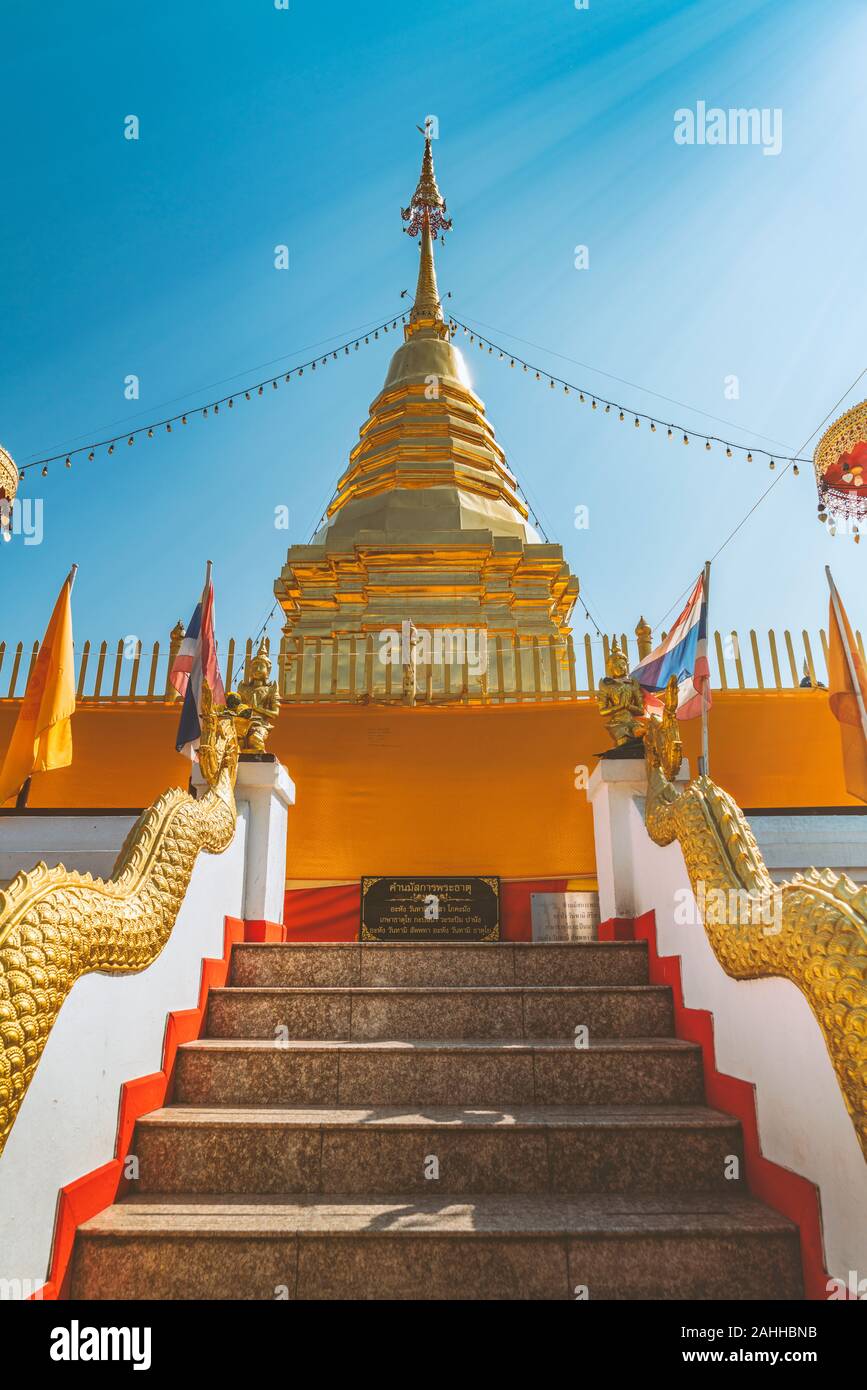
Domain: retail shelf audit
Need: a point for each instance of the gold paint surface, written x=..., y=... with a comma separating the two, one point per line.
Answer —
x=427, y=525
x=821, y=943
x=56, y=925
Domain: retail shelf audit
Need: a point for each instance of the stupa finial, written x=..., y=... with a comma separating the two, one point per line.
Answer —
x=426, y=215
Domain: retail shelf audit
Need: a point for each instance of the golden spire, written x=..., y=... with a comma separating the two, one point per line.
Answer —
x=426, y=215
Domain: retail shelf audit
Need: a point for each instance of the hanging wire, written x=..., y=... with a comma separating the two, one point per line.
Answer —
x=634, y=385
x=585, y=394
x=779, y=478
x=243, y=392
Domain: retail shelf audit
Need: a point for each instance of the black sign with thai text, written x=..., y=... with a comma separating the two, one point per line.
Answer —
x=430, y=909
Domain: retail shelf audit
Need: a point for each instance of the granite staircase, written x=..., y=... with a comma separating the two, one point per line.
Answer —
x=425, y=1121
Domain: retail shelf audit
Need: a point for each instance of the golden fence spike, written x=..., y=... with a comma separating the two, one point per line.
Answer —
x=136, y=661
x=808, y=652
x=16, y=662
x=739, y=667
x=501, y=684
x=757, y=660
x=720, y=659
x=82, y=671
x=100, y=667
x=588, y=662
x=118, y=660
x=152, y=678
x=570, y=665
x=775, y=660
x=644, y=638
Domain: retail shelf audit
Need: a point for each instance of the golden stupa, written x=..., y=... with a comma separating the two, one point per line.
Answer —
x=427, y=524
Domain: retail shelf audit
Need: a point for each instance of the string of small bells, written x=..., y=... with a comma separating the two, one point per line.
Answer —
x=213, y=407
x=623, y=412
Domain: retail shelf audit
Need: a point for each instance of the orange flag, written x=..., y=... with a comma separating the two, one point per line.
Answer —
x=42, y=737
x=847, y=681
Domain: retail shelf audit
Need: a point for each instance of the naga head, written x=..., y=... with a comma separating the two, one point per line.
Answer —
x=218, y=744
x=663, y=749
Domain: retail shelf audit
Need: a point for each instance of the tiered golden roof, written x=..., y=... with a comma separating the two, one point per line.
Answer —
x=427, y=523
x=427, y=458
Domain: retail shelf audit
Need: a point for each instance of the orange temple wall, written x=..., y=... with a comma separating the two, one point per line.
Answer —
x=460, y=789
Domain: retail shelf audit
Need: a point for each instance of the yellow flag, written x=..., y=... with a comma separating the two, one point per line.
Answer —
x=847, y=680
x=42, y=737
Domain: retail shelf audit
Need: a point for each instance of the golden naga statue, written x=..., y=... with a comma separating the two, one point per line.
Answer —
x=56, y=925
x=812, y=930
x=620, y=700
x=256, y=703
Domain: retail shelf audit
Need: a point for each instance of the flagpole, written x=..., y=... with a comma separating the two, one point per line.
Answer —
x=704, y=760
x=24, y=793
x=208, y=569
x=850, y=661
x=207, y=583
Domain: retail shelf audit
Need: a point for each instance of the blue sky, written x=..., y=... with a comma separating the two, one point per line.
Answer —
x=261, y=126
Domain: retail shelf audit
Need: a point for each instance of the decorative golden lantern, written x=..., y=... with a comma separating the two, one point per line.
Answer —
x=8, y=489
x=840, y=461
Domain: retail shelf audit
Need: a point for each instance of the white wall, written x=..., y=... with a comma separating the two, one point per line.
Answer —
x=792, y=843
x=87, y=843
x=110, y=1030
x=764, y=1033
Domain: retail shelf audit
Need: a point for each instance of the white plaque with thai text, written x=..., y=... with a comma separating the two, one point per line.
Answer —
x=565, y=916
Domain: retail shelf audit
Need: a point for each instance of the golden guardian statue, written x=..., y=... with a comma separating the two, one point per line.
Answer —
x=620, y=700
x=256, y=703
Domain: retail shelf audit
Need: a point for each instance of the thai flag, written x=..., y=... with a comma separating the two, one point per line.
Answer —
x=682, y=654
x=196, y=661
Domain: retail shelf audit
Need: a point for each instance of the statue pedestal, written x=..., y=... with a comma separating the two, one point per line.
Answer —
x=265, y=789
x=617, y=791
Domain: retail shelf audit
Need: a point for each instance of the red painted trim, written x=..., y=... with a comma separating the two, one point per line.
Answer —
x=617, y=929
x=87, y=1196
x=786, y=1191
x=257, y=929
x=322, y=914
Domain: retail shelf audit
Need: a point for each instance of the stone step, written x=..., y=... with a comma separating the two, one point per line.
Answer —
x=411, y=1247
x=648, y=1071
x=432, y=963
x=435, y=1012
x=529, y=1149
